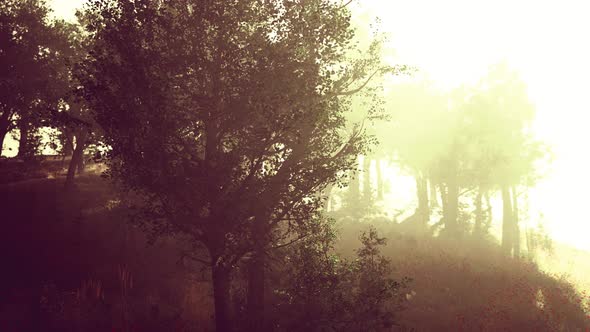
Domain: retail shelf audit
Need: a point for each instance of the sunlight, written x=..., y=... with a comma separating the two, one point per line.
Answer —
x=274, y=163
x=455, y=41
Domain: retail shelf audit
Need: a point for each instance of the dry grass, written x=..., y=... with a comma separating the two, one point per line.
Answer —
x=469, y=285
x=67, y=238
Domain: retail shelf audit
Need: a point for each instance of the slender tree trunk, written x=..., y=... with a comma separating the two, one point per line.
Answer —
x=477, y=231
x=367, y=190
x=23, y=142
x=432, y=191
x=3, y=132
x=452, y=215
x=488, y=215
x=515, y=226
x=256, y=274
x=423, y=212
x=76, y=157
x=445, y=205
x=379, y=180
x=221, y=295
x=444, y=201
x=81, y=166
x=507, y=229
x=4, y=127
x=68, y=145
x=256, y=290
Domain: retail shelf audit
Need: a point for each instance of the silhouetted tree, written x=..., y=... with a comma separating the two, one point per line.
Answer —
x=502, y=152
x=227, y=118
x=25, y=73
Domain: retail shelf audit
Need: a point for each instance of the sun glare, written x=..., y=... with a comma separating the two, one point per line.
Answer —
x=455, y=41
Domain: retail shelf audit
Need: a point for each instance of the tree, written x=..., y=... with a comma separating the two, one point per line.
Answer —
x=71, y=115
x=36, y=81
x=320, y=291
x=420, y=136
x=503, y=152
x=25, y=36
x=226, y=117
x=475, y=139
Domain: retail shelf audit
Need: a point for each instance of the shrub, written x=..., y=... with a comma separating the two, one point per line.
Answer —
x=321, y=291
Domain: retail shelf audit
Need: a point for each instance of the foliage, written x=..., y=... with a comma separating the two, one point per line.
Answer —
x=468, y=284
x=226, y=117
x=24, y=40
x=321, y=291
x=36, y=81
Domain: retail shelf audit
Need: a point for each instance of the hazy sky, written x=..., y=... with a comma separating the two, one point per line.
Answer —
x=455, y=41
x=65, y=8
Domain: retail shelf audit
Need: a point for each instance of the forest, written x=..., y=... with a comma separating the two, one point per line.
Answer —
x=264, y=165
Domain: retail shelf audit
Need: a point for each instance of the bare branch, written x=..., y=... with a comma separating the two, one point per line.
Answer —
x=345, y=5
x=353, y=91
x=297, y=239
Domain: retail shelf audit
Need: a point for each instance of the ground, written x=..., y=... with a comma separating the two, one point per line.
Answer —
x=59, y=248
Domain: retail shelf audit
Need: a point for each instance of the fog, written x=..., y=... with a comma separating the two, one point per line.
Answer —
x=454, y=43
x=298, y=165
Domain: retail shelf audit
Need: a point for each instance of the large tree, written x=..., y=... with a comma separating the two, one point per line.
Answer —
x=71, y=115
x=25, y=72
x=503, y=154
x=226, y=117
x=476, y=140
x=36, y=55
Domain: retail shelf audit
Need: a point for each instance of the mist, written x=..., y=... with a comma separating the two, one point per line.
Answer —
x=299, y=165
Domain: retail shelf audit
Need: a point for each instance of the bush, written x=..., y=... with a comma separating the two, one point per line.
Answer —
x=320, y=291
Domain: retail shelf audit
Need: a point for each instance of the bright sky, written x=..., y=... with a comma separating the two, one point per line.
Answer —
x=455, y=41
x=65, y=9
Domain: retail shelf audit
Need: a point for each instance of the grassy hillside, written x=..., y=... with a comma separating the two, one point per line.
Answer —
x=469, y=285
x=74, y=264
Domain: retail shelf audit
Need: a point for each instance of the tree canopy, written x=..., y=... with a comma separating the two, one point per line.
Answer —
x=227, y=116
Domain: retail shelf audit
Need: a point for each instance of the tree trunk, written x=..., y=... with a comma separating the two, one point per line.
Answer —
x=256, y=289
x=68, y=143
x=443, y=199
x=488, y=214
x=423, y=211
x=256, y=274
x=452, y=215
x=367, y=190
x=515, y=227
x=77, y=156
x=221, y=296
x=432, y=191
x=23, y=142
x=5, y=126
x=507, y=229
x=3, y=132
x=81, y=166
x=477, y=230
x=379, y=181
